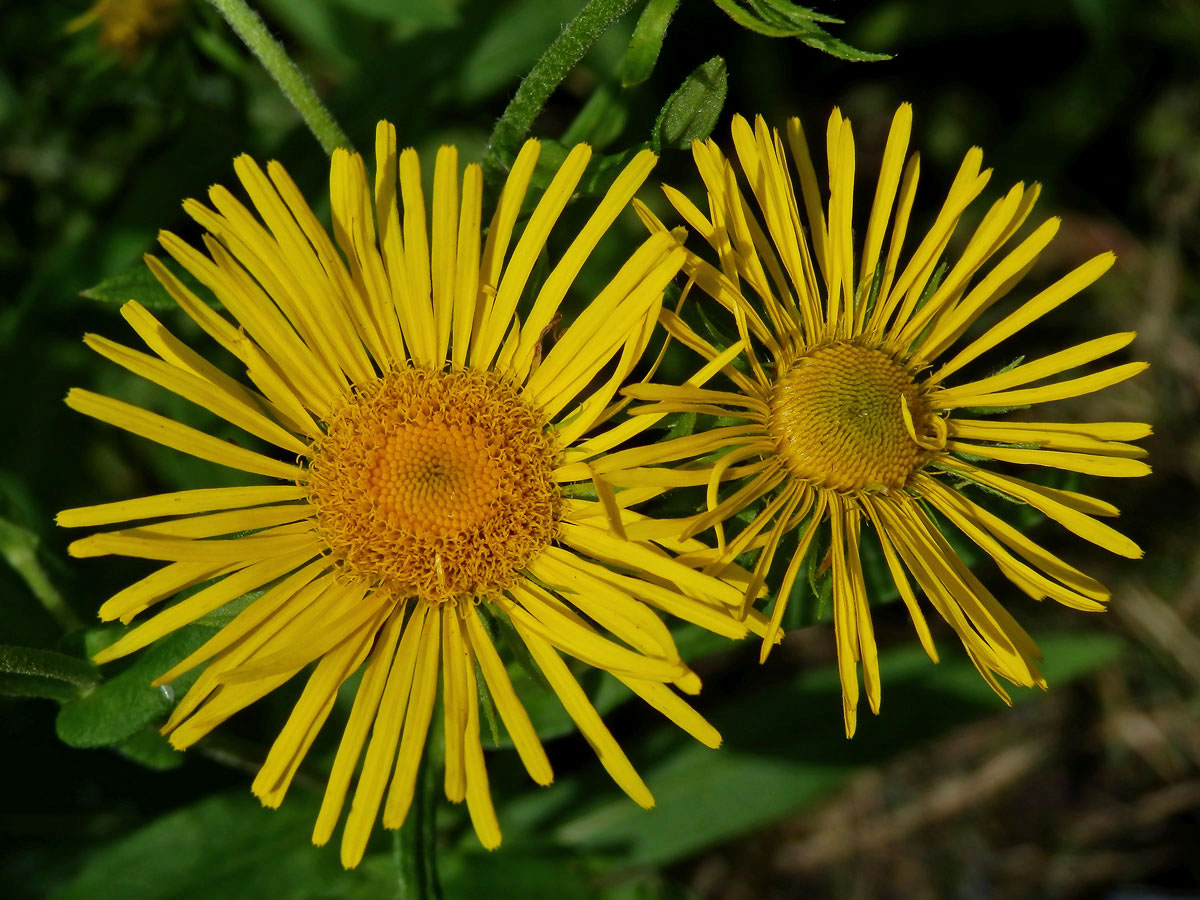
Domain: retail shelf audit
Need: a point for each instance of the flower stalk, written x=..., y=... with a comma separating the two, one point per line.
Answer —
x=295, y=86
x=546, y=75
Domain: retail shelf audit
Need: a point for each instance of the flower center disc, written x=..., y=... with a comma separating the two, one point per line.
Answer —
x=836, y=418
x=436, y=484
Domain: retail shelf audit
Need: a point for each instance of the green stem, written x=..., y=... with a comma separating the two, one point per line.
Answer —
x=546, y=75
x=250, y=28
x=414, y=846
x=32, y=672
x=19, y=547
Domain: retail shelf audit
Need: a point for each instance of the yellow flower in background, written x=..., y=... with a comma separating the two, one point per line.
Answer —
x=125, y=25
x=418, y=441
x=846, y=409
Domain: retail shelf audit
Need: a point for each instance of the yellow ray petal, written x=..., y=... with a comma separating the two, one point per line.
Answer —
x=581, y=711
x=1059, y=292
x=598, y=544
x=606, y=605
x=959, y=512
x=572, y=635
x=178, y=503
x=179, y=437
x=771, y=636
x=1085, y=437
x=1059, y=390
x=222, y=523
x=1015, y=540
x=1046, y=502
x=1089, y=464
x=525, y=254
x=466, y=277
x=212, y=701
x=385, y=725
x=444, y=261
x=900, y=579
x=499, y=233
x=512, y=713
x=675, y=708
x=177, y=353
x=455, y=702
x=1040, y=368
x=323, y=307
x=992, y=287
x=369, y=303
x=479, y=797
x=266, y=607
x=203, y=602
x=416, y=258
x=416, y=724
x=362, y=717
x=186, y=550
x=885, y=191
x=160, y=584
x=309, y=714
x=348, y=608
x=563, y=275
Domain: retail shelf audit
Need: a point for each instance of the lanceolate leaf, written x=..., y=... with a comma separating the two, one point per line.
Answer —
x=784, y=749
x=32, y=672
x=780, y=18
x=121, y=706
x=647, y=40
x=691, y=112
x=138, y=283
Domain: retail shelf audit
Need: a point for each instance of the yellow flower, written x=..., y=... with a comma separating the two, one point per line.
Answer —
x=125, y=25
x=419, y=442
x=844, y=412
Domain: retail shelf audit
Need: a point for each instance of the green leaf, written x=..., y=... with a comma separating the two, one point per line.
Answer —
x=138, y=283
x=228, y=847
x=780, y=18
x=784, y=749
x=600, y=122
x=785, y=12
x=32, y=672
x=122, y=706
x=820, y=40
x=412, y=16
x=19, y=548
x=646, y=42
x=223, y=615
x=528, y=873
x=691, y=112
x=150, y=749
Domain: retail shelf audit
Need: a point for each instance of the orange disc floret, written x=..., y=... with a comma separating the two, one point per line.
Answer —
x=436, y=484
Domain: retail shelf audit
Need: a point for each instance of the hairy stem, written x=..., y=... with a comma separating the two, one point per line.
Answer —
x=547, y=74
x=250, y=28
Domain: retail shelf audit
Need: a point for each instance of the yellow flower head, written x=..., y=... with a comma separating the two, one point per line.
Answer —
x=125, y=25
x=419, y=442
x=845, y=411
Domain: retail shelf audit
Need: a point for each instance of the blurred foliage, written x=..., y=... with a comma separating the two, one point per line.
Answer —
x=1097, y=99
